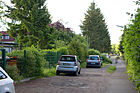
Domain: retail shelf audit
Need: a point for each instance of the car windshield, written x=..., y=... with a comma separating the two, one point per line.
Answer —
x=2, y=75
x=93, y=58
x=67, y=58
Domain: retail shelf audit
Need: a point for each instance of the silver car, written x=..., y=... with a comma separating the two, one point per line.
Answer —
x=68, y=64
x=6, y=83
x=94, y=61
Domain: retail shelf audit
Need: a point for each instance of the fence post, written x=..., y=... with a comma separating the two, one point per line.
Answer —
x=4, y=59
x=24, y=60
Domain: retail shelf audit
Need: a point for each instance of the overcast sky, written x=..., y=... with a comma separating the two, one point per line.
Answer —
x=71, y=13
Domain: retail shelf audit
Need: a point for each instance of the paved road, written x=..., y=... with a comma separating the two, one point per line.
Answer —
x=91, y=80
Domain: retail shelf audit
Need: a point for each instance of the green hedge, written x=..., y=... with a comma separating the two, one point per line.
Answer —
x=131, y=45
x=34, y=62
x=93, y=52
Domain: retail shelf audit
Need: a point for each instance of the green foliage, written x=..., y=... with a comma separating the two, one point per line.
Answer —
x=105, y=64
x=63, y=51
x=49, y=72
x=60, y=43
x=34, y=62
x=83, y=64
x=75, y=47
x=30, y=20
x=93, y=52
x=13, y=72
x=106, y=60
x=131, y=45
x=111, y=69
x=95, y=30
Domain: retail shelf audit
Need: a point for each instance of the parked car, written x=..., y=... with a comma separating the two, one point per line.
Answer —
x=68, y=64
x=6, y=83
x=94, y=61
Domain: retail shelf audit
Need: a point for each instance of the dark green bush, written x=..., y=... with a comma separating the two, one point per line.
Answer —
x=33, y=66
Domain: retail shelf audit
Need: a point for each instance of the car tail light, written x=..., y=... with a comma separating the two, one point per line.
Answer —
x=75, y=64
x=58, y=63
x=87, y=60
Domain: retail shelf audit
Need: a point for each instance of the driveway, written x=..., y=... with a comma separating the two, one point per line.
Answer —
x=91, y=80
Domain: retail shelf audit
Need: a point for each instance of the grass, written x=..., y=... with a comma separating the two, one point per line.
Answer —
x=83, y=64
x=49, y=72
x=105, y=64
x=111, y=69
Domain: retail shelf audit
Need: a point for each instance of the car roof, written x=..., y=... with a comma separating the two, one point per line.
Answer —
x=70, y=55
x=93, y=55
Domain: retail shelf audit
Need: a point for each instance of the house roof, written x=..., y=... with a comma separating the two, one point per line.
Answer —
x=4, y=33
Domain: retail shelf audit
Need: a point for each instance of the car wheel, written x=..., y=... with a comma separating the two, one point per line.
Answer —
x=57, y=73
x=76, y=73
x=86, y=66
x=79, y=71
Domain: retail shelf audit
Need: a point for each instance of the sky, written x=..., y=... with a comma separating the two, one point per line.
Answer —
x=71, y=13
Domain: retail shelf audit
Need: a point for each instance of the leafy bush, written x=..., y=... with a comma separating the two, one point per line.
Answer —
x=33, y=66
x=83, y=64
x=63, y=51
x=49, y=72
x=93, y=52
x=13, y=72
x=106, y=60
x=131, y=47
x=79, y=49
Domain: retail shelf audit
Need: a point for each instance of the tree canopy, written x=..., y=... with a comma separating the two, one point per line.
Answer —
x=30, y=21
x=95, y=29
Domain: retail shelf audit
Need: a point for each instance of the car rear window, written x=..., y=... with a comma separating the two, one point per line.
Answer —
x=2, y=75
x=93, y=58
x=67, y=58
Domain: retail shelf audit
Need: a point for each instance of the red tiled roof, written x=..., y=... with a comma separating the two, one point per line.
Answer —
x=5, y=33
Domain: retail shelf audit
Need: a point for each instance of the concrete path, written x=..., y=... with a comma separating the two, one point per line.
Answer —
x=119, y=82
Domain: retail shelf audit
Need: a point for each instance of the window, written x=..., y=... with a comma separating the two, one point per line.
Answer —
x=94, y=58
x=2, y=37
x=67, y=58
x=7, y=37
x=2, y=75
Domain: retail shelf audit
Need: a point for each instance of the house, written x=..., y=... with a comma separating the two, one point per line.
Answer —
x=59, y=26
x=7, y=42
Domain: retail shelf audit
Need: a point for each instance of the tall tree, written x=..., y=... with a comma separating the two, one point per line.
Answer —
x=95, y=29
x=30, y=22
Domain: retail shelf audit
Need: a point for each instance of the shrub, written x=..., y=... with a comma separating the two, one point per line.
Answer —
x=63, y=51
x=106, y=60
x=93, y=52
x=34, y=61
x=13, y=72
x=49, y=72
x=79, y=49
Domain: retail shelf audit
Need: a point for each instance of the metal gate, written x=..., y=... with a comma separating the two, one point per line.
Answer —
x=52, y=58
x=3, y=58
